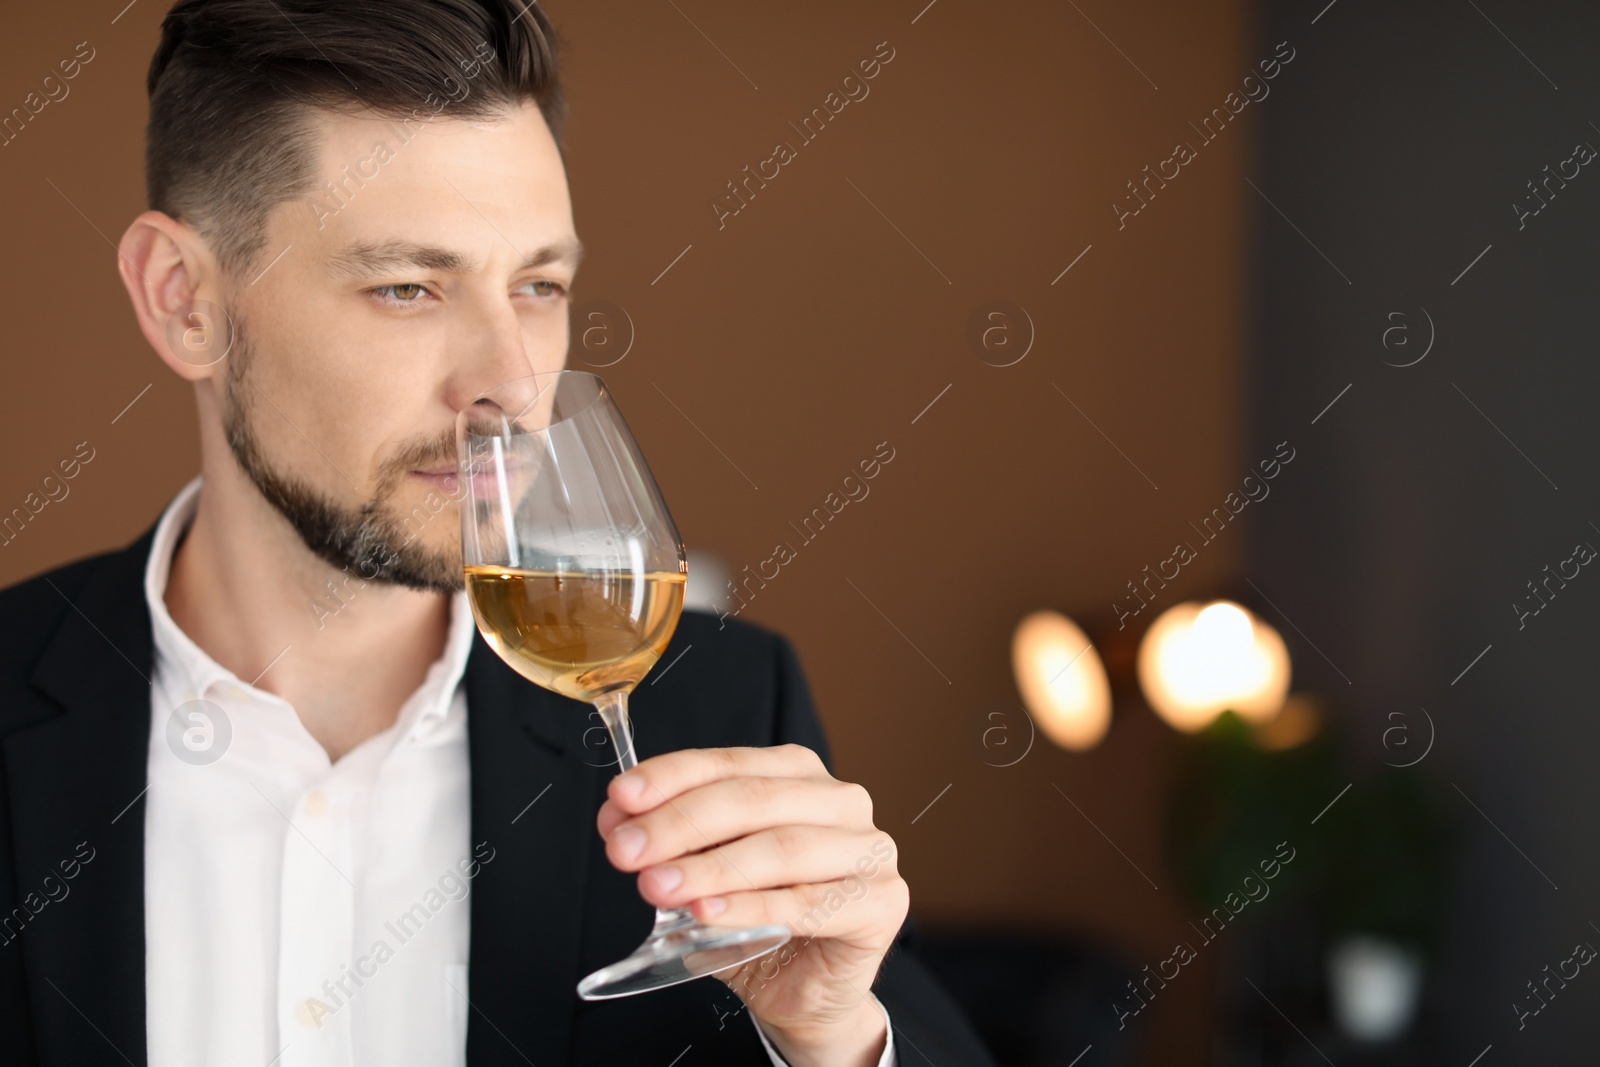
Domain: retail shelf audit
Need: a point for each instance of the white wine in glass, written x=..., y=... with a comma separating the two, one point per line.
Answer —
x=575, y=572
x=582, y=634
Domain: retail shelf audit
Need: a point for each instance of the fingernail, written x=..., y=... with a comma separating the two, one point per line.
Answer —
x=629, y=841
x=666, y=879
x=630, y=786
x=714, y=905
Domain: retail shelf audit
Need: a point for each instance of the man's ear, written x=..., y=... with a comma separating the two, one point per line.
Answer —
x=174, y=284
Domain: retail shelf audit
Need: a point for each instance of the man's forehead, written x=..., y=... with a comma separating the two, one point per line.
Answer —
x=510, y=143
x=385, y=203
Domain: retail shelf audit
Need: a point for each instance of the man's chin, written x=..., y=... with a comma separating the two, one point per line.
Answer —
x=386, y=551
x=428, y=576
x=405, y=535
x=377, y=543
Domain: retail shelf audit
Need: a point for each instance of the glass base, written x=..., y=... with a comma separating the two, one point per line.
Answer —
x=680, y=950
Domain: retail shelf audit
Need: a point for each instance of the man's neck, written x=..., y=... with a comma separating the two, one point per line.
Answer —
x=249, y=592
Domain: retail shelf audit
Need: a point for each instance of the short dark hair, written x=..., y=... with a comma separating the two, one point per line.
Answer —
x=234, y=84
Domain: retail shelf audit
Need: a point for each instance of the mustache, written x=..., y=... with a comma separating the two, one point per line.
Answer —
x=422, y=452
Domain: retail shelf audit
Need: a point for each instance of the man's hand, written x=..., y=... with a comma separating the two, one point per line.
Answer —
x=748, y=836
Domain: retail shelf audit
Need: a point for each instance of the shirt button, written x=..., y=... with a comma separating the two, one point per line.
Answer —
x=312, y=1012
x=317, y=804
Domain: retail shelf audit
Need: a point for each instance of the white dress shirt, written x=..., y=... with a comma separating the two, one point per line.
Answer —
x=297, y=909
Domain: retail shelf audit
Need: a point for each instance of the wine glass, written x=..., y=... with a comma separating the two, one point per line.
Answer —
x=575, y=572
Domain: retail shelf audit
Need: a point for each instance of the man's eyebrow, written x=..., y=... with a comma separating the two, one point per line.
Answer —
x=365, y=259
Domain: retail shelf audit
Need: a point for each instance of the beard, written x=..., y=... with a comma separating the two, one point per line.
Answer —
x=369, y=540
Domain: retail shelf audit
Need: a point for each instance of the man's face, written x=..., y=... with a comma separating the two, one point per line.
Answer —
x=445, y=272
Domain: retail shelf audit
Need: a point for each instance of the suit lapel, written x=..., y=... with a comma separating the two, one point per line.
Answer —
x=76, y=775
x=534, y=802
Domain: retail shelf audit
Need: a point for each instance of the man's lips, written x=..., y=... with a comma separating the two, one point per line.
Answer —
x=483, y=480
x=508, y=465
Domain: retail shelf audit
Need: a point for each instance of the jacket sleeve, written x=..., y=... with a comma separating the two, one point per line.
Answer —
x=928, y=1027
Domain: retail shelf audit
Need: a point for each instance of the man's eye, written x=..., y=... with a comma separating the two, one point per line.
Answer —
x=550, y=289
x=402, y=293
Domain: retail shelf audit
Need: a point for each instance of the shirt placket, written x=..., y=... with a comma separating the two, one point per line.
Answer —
x=316, y=986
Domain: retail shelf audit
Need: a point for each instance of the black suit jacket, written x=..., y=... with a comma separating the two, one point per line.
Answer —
x=76, y=656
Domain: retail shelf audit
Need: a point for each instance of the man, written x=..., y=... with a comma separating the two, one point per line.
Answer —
x=268, y=798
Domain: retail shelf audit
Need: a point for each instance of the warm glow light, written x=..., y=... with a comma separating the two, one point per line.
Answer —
x=1197, y=661
x=1062, y=681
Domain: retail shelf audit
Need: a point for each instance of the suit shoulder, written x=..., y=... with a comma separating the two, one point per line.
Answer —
x=32, y=609
x=729, y=635
x=731, y=682
x=32, y=592
x=719, y=682
x=729, y=655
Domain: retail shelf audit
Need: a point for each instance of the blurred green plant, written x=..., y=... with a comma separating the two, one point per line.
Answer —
x=1390, y=847
x=1232, y=802
x=1376, y=861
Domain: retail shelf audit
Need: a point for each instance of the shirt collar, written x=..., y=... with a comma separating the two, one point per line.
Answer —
x=176, y=650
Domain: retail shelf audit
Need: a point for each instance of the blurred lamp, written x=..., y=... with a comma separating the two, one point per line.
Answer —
x=1199, y=660
x=1062, y=680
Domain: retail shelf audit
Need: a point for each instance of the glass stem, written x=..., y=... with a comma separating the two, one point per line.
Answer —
x=613, y=708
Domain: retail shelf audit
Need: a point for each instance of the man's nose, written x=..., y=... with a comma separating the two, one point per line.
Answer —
x=492, y=351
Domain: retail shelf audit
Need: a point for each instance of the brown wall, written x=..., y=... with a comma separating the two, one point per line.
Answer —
x=797, y=338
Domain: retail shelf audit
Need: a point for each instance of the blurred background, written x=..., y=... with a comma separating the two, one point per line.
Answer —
x=1279, y=318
